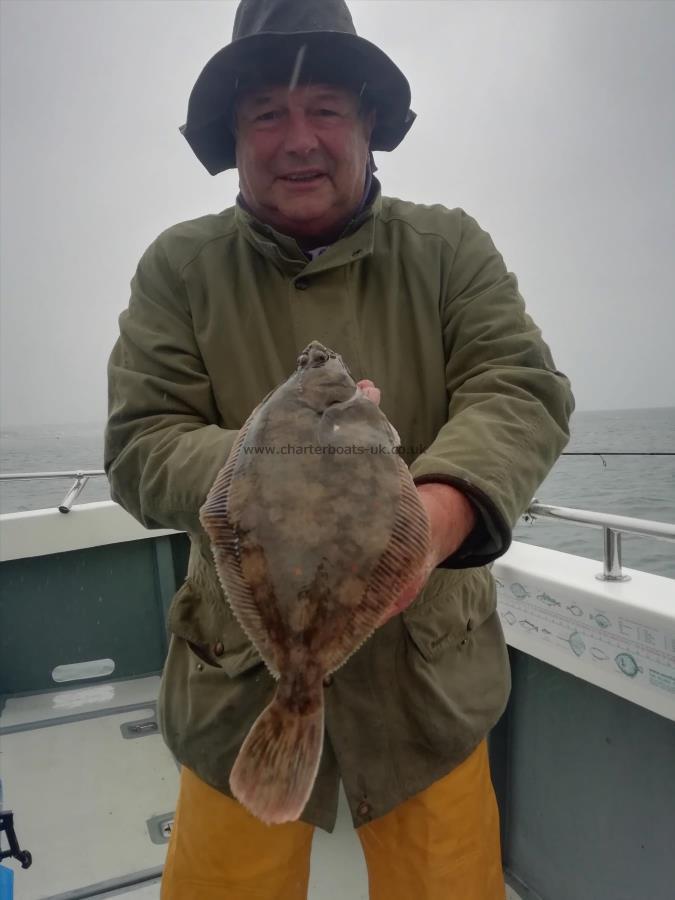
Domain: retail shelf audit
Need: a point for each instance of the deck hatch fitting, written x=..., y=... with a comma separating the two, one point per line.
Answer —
x=139, y=728
x=159, y=828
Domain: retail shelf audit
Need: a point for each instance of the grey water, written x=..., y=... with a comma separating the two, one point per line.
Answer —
x=640, y=486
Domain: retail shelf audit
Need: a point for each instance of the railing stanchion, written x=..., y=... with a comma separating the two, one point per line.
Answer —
x=73, y=493
x=612, y=557
x=82, y=477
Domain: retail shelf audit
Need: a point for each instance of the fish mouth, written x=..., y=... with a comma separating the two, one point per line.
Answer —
x=315, y=355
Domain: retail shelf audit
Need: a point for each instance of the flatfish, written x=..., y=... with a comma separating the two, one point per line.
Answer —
x=316, y=528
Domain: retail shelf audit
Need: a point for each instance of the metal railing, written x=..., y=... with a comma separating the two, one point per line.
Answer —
x=81, y=478
x=613, y=526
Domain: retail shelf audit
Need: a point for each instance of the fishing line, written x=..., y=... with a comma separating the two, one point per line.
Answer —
x=618, y=453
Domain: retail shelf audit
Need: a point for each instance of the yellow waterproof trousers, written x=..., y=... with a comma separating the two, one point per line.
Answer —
x=442, y=844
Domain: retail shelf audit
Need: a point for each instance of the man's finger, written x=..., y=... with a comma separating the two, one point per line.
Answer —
x=369, y=390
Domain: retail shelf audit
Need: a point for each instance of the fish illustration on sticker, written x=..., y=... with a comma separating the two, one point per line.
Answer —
x=510, y=618
x=577, y=643
x=528, y=626
x=518, y=591
x=627, y=664
x=598, y=654
x=547, y=599
x=600, y=620
x=575, y=610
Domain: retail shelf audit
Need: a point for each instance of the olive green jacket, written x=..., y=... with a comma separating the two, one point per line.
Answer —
x=417, y=299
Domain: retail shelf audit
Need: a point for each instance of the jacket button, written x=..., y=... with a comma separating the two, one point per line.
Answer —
x=301, y=284
x=328, y=680
x=218, y=648
x=200, y=667
x=364, y=809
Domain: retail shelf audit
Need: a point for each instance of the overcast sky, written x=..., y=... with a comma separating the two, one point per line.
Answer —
x=552, y=123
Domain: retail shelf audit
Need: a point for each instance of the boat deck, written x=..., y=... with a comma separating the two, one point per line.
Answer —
x=93, y=787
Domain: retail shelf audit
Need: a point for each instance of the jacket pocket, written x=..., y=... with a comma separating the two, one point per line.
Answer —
x=453, y=604
x=208, y=625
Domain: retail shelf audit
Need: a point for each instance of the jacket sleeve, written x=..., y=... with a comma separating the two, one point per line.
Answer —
x=509, y=407
x=163, y=445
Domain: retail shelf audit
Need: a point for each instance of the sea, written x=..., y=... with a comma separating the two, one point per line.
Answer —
x=640, y=486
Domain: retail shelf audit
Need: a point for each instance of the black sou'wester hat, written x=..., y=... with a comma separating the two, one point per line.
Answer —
x=303, y=40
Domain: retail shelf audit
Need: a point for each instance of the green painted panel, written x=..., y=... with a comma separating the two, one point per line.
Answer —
x=180, y=549
x=590, y=790
x=166, y=581
x=104, y=602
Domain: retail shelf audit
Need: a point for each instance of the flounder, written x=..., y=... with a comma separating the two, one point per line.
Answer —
x=316, y=527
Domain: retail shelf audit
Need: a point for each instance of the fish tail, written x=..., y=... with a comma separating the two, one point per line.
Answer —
x=275, y=769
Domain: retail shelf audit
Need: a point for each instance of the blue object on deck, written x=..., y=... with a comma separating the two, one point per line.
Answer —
x=6, y=883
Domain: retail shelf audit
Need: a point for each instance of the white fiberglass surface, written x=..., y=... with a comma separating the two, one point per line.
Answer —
x=82, y=795
x=619, y=636
x=338, y=868
x=78, y=701
x=149, y=891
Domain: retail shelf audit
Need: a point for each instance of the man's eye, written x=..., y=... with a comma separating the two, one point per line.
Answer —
x=268, y=116
x=328, y=112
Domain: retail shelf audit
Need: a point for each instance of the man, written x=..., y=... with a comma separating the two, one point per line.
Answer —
x=419, y=304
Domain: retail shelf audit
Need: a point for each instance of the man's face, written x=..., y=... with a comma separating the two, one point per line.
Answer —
x=301, y=156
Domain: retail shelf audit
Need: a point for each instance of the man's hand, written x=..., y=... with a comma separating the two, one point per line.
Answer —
x=452, y=518
x=369, y=390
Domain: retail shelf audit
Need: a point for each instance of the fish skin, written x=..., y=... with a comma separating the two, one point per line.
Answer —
x=311, y=549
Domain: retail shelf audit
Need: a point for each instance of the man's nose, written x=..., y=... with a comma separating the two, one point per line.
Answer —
x=300, y=136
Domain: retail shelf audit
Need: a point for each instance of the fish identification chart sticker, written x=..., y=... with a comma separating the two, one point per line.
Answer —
x=617, y=635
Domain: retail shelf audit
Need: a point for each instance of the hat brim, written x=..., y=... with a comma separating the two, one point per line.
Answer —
x=352, y=59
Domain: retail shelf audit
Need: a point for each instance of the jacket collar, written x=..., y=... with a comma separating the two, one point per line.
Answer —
x=355, y=242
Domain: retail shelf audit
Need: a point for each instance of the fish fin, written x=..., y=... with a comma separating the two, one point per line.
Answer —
x=404, y=555
x=215, y=520
x=248, y=603
x=276, y=768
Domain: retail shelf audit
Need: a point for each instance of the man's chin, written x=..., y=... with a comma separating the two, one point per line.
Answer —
x=306, y=218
